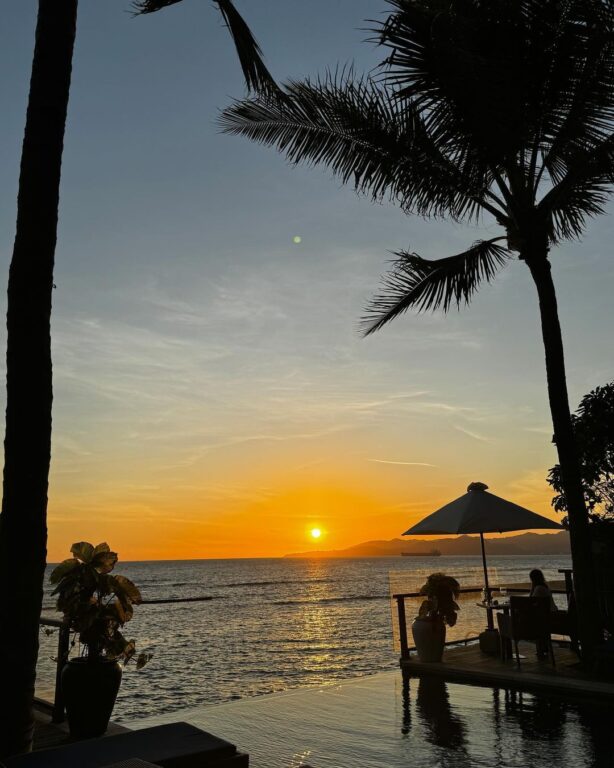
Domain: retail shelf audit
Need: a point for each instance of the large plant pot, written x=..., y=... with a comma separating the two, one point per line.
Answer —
x=90, y=689
x=429, y=638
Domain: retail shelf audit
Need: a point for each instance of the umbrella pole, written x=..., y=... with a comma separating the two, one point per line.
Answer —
x=491, y=623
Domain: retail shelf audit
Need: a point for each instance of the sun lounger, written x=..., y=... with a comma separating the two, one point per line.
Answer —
x=177, y=745
x=133, y=762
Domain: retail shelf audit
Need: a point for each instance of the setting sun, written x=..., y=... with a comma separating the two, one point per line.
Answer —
x=315, y=533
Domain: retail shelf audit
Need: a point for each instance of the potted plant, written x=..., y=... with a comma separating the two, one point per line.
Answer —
x=96, y=604
x=436, y=612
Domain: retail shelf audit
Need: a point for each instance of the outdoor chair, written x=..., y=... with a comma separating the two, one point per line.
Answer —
x=529, y=619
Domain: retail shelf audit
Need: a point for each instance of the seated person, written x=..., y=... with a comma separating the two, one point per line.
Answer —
x=540, y=588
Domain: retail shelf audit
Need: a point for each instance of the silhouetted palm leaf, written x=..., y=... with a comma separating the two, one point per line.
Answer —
x=257, y=76
x=378, y=144
x=151, y=6
x=429, y=285
x=582, y=192
x=438, y=49
x=581, y=115
x=544, y=70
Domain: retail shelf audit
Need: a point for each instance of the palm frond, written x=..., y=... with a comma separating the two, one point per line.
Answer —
x=463, y=65
x=578, y=94
x=378, y=144
x=581, y=193
x=506, y=82
x=570, y=213
x=429, y=285
x=141, y=7
x=257, y=76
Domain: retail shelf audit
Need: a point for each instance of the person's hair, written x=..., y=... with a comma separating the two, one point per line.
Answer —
x=537, y=578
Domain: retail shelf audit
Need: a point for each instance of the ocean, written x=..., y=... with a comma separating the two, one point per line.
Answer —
x=273, y=624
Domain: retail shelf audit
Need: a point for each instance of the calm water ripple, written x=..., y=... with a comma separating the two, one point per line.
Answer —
x=274, y=625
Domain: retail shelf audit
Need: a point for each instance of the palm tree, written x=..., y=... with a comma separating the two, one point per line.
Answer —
x=27, y=442
x=493, y=110
x=27, y=445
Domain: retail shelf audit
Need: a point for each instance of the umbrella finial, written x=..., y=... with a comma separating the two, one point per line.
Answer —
x=477, y=487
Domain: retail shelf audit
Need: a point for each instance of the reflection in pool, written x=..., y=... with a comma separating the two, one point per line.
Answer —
x=391, y=721
x=517, y=729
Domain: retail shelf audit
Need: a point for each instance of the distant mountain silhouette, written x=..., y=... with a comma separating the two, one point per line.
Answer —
x=523, y=544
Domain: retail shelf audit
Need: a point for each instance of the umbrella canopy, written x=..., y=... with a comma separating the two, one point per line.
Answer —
x=480, y=512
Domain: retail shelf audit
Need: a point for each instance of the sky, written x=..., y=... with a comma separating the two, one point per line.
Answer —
x=213, y=395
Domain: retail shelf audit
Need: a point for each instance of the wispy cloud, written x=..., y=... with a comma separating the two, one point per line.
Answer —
x=539, y=430
x=411, y=505
x=403, y=463
x=461, y=410
x=531, y=489
x=279, y=438
x=473, y=435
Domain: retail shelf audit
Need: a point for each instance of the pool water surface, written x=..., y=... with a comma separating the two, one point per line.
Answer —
x=386, y=721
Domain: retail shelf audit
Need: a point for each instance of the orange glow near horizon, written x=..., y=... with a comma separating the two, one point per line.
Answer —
x=266, y=519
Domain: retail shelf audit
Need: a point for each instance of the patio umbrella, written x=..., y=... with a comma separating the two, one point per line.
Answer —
x=480, y=512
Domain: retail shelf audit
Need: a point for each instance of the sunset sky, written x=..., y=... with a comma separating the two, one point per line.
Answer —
x=213, y=397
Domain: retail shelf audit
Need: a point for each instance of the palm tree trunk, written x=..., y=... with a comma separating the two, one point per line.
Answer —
x=27, y=443
x=584, y=582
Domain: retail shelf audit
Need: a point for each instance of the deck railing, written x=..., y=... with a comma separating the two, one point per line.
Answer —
x=58, y=713
x=557, y=588
x=400, y=601
x=57, y=710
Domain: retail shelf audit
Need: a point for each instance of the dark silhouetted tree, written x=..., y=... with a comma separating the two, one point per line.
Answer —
x=593, y=426
x=483, y=110
x=27, y=444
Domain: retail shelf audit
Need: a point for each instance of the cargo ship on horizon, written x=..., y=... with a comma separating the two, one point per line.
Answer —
x=431, y=553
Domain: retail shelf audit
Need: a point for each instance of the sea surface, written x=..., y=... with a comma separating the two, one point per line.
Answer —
x=273, y=625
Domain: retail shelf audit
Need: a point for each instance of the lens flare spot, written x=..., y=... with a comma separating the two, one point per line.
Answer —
x=297, y=239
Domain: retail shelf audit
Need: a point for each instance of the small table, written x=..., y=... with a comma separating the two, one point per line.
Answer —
x=491, y=607
x=494, y=606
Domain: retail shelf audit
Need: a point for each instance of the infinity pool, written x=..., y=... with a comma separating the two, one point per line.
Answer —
x=382, y=722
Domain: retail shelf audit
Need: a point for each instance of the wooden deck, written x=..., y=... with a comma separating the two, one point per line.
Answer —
x=468, y=664
x=48, y=734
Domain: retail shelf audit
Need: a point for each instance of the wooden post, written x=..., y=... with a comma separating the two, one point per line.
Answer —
x=567, y=572
x=402, y=627
x=491, y=623
x=58, y=715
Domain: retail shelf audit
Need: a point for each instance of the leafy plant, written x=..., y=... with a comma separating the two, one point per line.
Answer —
x=96, y=604
x=593, y=425
x=441, y=592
